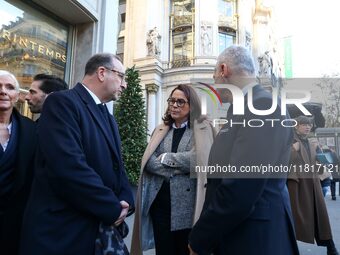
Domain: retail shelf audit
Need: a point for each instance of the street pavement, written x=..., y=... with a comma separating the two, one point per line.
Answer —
x=305, y=249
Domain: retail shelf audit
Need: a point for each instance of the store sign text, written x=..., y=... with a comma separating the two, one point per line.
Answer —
x=34, y=46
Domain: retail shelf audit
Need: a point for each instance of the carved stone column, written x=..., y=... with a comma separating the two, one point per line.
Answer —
x=151, y=92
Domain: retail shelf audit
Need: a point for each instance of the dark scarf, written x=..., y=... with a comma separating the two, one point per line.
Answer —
x=305, y=143
x=7, y=164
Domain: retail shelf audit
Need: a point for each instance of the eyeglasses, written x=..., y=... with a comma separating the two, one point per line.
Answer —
x=180, y=102
x=120, y=74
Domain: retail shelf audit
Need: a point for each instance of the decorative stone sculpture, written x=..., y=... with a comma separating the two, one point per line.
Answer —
x=269, y=72
x=265, y=65
x=206, y=40
x=153, y=42
x=248, y=41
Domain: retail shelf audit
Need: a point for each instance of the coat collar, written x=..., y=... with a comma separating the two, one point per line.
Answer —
x=304, y=152
x=159, y=134
x=156, y=137
x=26, y=149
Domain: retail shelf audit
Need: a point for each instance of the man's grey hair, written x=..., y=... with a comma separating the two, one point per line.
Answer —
x=6, y=73
x=238, y=59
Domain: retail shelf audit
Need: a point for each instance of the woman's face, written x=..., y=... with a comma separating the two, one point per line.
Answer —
x=9, y=95
x=179, y=106
x=303, y=129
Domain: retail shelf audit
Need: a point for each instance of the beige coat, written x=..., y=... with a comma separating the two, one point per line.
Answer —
x=204, y=136
x=307, y=201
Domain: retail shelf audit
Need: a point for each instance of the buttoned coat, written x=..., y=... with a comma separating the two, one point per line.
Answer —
x=13, y=204
x=79, y=177
x=187, y=188
x=306, y=197
x=248, y=216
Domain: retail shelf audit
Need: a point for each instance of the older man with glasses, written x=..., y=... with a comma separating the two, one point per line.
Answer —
x=80, y=180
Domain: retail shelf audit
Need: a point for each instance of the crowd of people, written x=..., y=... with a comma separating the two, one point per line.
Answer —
x=64, y=188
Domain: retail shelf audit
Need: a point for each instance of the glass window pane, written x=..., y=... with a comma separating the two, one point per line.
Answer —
x=182, y=11
x=31, y=43
x=182, y=49
x=182, y=46
x=181, y=26
x=225, y=40
x=226, y=8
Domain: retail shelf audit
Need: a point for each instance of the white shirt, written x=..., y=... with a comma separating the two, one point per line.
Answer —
x=9, y=128
x=184, y=124
x=95, y=98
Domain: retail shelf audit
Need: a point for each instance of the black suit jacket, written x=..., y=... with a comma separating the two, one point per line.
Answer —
x=12, y=213
x=80, y=177
x=248, y=216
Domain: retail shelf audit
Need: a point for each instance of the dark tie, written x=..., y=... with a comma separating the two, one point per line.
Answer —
x=1, y=152
x=111, y=124
x=105, y=113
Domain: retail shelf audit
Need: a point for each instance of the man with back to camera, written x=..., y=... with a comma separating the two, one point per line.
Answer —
x=80, y=180
x=246, y=216
x=41, y=87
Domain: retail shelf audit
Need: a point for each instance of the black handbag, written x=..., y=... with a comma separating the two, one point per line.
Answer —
x=110, y=240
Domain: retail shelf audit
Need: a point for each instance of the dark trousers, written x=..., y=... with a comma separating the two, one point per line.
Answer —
x=167, y=242
x=333, y=184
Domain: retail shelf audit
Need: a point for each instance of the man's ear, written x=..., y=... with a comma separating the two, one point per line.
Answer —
x=225, y=70
x=101, y=73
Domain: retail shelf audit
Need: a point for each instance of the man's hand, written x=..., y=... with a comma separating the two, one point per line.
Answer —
x=191, y=251
x=123, y=213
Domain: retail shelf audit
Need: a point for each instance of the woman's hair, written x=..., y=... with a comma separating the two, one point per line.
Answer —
x=194, y=104
x=304, y=120
x=6, y=73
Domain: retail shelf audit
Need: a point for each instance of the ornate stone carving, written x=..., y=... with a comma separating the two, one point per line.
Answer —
x=265, y=65
x=206, y=40
x=248, y=40
x=151, y=88
x=269, y=70
x=153, y=42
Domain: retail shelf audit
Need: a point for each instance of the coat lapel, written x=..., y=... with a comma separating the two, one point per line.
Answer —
x=158, y=135
x=116, y=136
x=167, y=144
x=25, y=152
x=97, y=116
x=185, y=140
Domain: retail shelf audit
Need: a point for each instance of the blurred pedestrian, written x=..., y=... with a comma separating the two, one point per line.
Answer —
x=325, y=176
x=307, y=201
x=41, y=87
x=335, y=173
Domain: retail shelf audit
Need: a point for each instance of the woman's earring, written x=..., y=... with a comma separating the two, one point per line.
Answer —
x=222, y=74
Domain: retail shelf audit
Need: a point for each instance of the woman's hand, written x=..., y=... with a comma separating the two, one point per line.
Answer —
x=296, y=146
